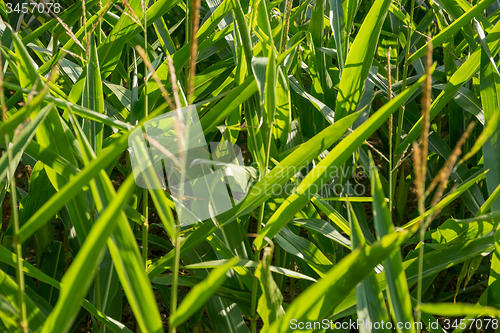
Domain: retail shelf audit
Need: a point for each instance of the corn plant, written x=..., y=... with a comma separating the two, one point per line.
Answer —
x=368, y=133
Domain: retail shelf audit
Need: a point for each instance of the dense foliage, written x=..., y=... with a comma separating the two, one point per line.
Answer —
x=369, y=130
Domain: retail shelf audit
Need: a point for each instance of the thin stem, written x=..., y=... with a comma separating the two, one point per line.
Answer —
x=405, y=76
x=182, y=133
x=145, y=227
x=391, y=179
x=255, y=282
x=175, y=281
x=145, y=193
x=420, y=185
x=422, y=170
x=19, y=251
x=146, y=56
x=98, y=305
x=420, y=269
x=253, y=305
x=13, y=198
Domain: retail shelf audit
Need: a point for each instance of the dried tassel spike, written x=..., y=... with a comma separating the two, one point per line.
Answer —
x=444, y=173
x=104, y=11
x=132, y=13
x=155, y=77
x=173, y=80
x=195, y=24
x=417, y=159
x=179, y=125
x=426, y=103
x=287, y=24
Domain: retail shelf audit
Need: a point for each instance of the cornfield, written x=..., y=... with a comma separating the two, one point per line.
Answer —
x=350, y=154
